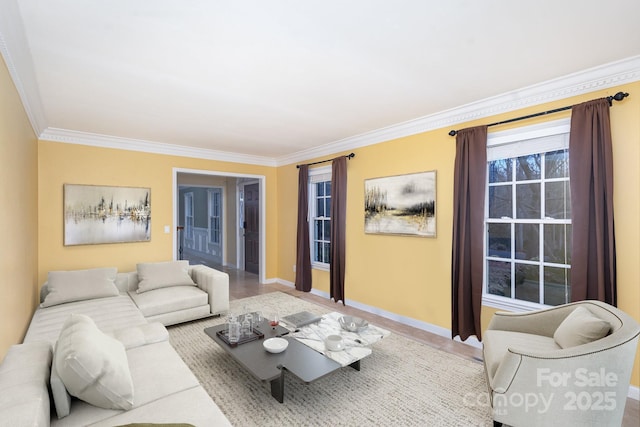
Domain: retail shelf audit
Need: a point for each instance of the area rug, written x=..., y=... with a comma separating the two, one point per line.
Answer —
x=402, y=383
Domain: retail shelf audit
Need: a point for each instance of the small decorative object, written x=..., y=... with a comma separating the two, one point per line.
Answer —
x=403, y=205
x=334, y=343
x=96, y=214
x=274, y=320
x=234, y=330
x=275, y=345
x=352, y=323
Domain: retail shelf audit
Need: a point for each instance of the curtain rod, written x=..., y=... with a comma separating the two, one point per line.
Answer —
x=617, y=97
x=348, y=156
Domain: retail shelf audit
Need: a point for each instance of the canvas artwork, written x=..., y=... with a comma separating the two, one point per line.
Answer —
x=402, y=205
x=95, y=214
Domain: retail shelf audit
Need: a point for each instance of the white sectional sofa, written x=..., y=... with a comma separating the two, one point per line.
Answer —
x=83, y=322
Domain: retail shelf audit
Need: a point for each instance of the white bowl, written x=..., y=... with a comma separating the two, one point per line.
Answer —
x=334, y=343
x=275, y=345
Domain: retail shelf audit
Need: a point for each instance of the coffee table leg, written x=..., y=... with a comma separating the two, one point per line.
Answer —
x=355, y=365
x=277, y=387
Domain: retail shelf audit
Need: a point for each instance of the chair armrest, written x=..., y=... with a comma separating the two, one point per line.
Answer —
x=215, y=283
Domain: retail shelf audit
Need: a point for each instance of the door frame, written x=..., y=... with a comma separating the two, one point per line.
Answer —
x=261, y=179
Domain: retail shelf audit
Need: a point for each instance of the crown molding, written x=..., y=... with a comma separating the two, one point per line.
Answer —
x=20, y=66
x=107, y=141
x=582, y=82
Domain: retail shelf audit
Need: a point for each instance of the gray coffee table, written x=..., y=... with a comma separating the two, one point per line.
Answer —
x=299, y=359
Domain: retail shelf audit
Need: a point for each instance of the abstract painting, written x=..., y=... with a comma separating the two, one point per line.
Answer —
x=401, y=205
x=95, y=214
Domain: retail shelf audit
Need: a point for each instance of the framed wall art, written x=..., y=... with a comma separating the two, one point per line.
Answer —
x=95, y=214
x=401, y=205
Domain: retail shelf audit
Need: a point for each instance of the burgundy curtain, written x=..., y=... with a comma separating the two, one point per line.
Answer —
x=468, y=223
x=303, y=251
x=593, y=257
x=338, y=226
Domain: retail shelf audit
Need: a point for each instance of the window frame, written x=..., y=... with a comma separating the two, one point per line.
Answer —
x=319, y=174
x=188, y=216
x=214, y=214
x=505, y=138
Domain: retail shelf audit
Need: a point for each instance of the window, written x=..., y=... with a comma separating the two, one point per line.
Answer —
x=214, y=216
x=528, y=218
x=320, y=215
x=188, y=215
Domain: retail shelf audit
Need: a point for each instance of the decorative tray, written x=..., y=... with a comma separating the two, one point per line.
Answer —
x=224, y=336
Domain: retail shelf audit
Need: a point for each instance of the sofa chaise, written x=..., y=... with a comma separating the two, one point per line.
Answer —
x=95, y=356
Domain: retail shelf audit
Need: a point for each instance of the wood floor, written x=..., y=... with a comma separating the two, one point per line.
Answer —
x=243, y=284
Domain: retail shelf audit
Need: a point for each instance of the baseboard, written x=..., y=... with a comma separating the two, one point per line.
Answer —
x=634, y=392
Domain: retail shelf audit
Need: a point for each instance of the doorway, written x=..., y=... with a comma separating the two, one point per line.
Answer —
x=231, y=201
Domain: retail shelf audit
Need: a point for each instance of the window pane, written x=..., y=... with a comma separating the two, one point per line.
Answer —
x=527, y=282
x=327, y=230
x=527, y=237
x=528, y=167
x=317, y=233
x=499, y=238
x=327, y=253
x=327, y=207
x=327, y=188
x=556, y=164
x=557, y=243
x=499, y=278
x=318, y=252
x=319, y=207
x=320, y=189
x=528, y=201
x=500, y=201
x=557, y=200
x=557, y=289
x=500, y=170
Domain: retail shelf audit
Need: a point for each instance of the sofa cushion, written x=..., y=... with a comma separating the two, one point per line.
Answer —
x=92, y=365
x=497, y=343
x=167, y=300
x=61, y=397
x=155, y=275
x=580, y=327
x=136, y=336
x=78, y=285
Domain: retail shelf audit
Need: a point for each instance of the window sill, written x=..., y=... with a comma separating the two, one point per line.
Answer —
x=320, y=266
x=510, y=304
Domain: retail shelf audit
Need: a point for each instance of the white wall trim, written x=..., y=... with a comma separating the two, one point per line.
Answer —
x=20, y=66
x=582, y=82
x=106, y=141
x=601, y=77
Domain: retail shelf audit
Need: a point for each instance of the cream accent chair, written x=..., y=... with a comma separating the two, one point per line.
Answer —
x=533, y=380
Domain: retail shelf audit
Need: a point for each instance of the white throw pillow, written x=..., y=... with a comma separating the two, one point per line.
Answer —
x=580, y=327
x=155, y=275
x=92, y=365
x=78, y=285
x=61, y=398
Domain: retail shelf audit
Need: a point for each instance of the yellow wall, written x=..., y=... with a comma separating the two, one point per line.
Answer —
x=77, y=164
x=411, y=276
x=18, y=215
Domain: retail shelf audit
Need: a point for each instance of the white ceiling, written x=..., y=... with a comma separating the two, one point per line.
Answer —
x=275, y=78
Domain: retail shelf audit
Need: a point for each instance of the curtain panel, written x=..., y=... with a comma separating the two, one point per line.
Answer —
x=303, y=251
x=338, y=227
x=593, y=257
x=468, y=238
